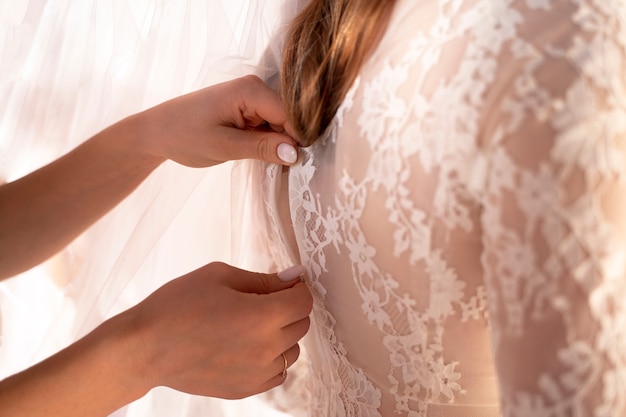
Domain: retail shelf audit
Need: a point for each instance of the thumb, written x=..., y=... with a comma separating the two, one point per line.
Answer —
x=259, y=283
x=265, y=145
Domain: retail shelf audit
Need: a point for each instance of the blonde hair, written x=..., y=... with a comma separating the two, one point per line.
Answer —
x=326, y=46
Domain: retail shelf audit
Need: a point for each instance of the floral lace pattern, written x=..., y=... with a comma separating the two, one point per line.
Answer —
x=462, y=221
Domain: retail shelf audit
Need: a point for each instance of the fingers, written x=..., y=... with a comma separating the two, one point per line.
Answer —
x=283, y=363
x=296, y=331
x=261, y=107
x=290, y=305
x=278, y=366
x=256, y=282
x=260, y=104
x=284, y=295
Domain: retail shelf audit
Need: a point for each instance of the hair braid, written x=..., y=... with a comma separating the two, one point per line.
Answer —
x=326, y=46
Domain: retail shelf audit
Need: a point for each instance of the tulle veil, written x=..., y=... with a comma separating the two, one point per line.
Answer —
x=70, y=68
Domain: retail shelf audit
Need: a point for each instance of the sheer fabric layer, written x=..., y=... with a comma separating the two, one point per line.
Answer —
x=462, y=221
x=67, y=70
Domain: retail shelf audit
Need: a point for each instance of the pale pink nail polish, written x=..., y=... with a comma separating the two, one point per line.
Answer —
x=287, y=153
x=291, y=273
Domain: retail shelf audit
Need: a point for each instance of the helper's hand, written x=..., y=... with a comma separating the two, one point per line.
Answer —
x=220, y=331
x=239, y=119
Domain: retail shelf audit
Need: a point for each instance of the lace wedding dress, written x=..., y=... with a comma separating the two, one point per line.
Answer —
x=463, y=219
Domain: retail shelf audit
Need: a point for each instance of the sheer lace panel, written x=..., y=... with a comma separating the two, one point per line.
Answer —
x=462, y=220
x=554, y=214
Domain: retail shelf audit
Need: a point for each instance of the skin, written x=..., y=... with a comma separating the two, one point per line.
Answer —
x=218, y=331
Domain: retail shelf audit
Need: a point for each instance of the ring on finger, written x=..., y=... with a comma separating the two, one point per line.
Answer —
x=285, y=364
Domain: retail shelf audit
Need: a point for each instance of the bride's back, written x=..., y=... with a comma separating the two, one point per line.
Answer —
x=431, y=220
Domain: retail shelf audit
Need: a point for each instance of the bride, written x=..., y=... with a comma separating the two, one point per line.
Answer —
x=460, y=207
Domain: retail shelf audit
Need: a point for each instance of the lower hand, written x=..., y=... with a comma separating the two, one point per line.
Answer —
x=220, y=331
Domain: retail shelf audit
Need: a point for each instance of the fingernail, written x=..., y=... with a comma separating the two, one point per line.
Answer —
x=287, y=153
x=291, y=273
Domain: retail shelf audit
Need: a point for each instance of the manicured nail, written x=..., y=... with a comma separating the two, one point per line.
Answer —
x=287, y=153
x=291, y=273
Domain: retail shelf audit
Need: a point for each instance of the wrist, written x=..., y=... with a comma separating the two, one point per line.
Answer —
x=145, y=132
x=133, y=138
x=93, y=377
x=131, y=354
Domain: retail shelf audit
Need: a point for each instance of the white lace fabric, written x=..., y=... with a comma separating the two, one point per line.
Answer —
x=463, y=220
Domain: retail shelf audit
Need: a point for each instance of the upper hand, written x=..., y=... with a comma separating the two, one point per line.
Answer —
x=239, y=119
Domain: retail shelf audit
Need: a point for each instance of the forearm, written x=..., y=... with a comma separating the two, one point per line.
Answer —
x=92, y=378
x=44, y=211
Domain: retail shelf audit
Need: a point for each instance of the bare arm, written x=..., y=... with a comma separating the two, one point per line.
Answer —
x=217, y=331
x=92, y=377
x=44, y=211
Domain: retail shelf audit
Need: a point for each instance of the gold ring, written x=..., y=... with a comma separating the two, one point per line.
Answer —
x=284, y=372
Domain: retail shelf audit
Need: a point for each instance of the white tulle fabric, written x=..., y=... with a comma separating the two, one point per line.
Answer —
x=67, y=70
x=463, y=220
